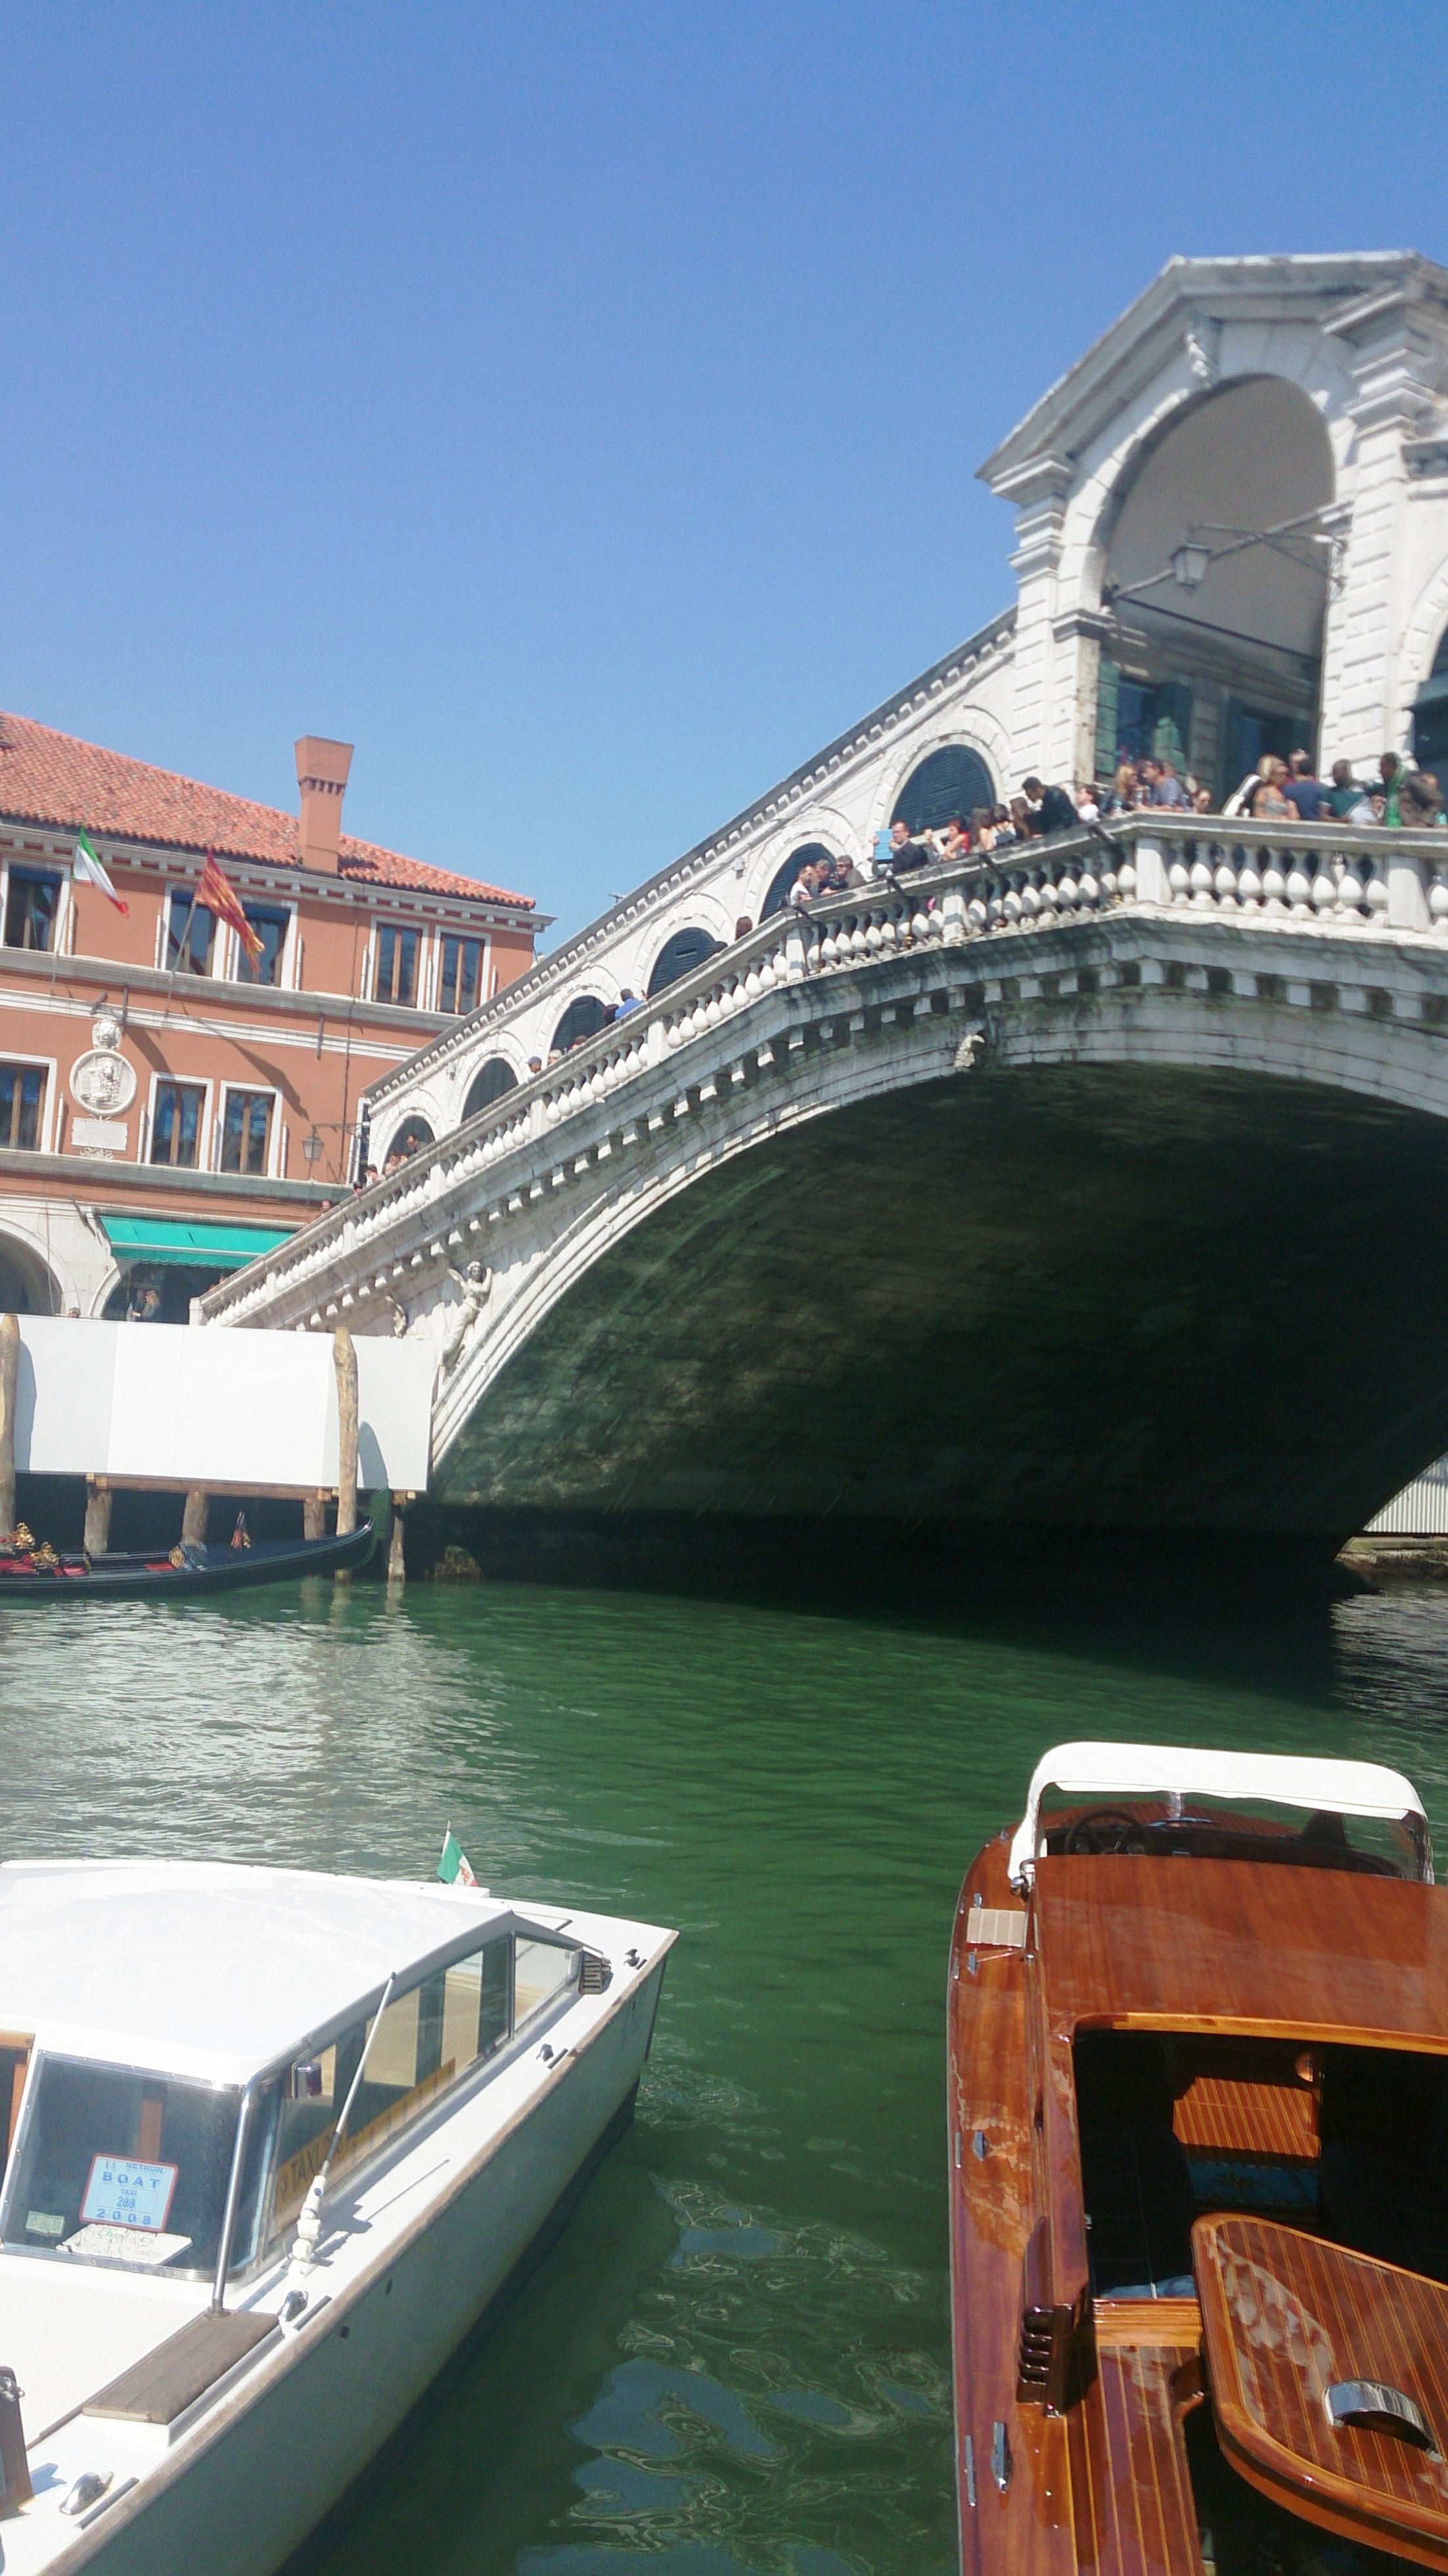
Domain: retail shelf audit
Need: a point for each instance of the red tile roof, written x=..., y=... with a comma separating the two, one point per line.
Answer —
x=65, y=784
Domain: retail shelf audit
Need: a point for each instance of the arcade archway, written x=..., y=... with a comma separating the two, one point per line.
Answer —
x=1213, y=671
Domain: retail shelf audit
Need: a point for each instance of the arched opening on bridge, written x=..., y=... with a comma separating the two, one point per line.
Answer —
x=946, y=785
x=26, y=1286
x=582, y=1019
x=410, y=1138
x=1211, y=672
x=1430, y=715
x=808, y=854
x=489, y=1084
x=681, y=955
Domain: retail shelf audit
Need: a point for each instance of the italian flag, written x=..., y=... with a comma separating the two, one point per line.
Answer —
x=454, y=1868
x=86, y=865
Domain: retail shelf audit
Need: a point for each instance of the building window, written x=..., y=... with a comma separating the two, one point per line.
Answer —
x=190, y=934
x=22, y=1105
x=177, y=1126
x=31, y=905
x=462, y=961
x=271, y=929
x=246, y=1131
x=396, y=977
x=1138, y=720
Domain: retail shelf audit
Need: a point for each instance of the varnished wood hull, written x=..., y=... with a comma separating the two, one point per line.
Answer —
x=1082, y=2420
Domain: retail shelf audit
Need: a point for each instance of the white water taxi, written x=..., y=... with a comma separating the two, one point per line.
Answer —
x=272, y=2143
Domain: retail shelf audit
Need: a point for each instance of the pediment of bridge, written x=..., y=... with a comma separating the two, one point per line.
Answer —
x=1200, y=323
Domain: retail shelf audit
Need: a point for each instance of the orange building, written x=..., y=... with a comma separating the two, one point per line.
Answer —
x=168, y=1107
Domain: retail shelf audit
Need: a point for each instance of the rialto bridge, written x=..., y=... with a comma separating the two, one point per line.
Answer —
x=1104, y=1185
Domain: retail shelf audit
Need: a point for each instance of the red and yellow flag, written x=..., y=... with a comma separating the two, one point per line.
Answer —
x=220, y=896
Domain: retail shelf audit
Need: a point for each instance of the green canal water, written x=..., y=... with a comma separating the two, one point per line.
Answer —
x=735, y=2360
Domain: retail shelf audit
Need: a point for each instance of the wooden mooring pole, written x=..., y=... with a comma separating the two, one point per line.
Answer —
x=193, y=1518
x=97, y=1516
x=345, y=1358
x=9, y=1393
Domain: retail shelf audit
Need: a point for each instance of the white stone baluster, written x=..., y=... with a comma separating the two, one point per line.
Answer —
x=1350, y=898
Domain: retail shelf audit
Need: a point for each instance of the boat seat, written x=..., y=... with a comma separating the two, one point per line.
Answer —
x=1138, y=2192
x=158, y=2388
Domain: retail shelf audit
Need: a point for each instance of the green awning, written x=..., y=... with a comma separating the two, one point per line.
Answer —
x=191, y=1247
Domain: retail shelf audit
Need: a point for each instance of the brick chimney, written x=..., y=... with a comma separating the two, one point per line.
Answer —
x=322, y=769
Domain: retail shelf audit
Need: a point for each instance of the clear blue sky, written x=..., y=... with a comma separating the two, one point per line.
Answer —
x=577, y=406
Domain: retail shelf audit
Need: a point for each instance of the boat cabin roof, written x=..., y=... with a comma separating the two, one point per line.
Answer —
x=1092, y=1770
x=1237, y=1945
x=209, y=1968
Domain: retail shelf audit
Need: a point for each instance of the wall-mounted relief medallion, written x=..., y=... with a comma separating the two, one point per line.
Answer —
x=101, y=1081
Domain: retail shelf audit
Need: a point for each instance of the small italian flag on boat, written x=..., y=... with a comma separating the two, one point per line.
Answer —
x=86, y=865
x=454, y=1868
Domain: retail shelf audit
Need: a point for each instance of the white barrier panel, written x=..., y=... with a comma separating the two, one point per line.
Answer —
x=188, y=1405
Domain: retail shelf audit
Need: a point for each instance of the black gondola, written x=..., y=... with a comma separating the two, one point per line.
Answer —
x=186, y=1571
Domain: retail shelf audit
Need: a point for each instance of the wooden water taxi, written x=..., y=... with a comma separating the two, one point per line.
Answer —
x=273, y=2142
x=1198, y=2124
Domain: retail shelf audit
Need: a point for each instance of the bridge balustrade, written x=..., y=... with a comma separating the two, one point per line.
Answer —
x=1275, y=876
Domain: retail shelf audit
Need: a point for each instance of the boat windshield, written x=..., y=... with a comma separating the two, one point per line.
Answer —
x=121, y=2167
x=1213, y=1828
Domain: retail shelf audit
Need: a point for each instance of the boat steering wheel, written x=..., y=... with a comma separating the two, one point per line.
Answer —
x=1107, y=1829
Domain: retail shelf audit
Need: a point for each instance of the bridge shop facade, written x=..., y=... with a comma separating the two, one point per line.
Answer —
x=1203, y=1061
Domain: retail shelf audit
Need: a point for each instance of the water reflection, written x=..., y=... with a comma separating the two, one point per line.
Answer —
x=734, y=2361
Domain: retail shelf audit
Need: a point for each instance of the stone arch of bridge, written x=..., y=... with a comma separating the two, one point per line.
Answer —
x=1247, y=453
x=1216, y=674
x=683, y=953
x=1013, y=1298
x=821, y=827
x=493, y=1080
x=1300, y=359
x=972, y=728
x=1192, y=1069
x=583, y=1017
x=412, y=1135
x=947, y=785
x=776, y=893
x=1424, y=636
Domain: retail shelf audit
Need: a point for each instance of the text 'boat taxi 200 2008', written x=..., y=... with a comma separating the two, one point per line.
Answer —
x=1198, y=2097
x=273, y=2142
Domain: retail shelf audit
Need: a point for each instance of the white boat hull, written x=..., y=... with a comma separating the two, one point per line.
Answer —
x=236, y=2497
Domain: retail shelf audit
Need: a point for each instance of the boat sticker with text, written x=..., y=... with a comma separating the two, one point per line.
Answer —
x=123, y=2192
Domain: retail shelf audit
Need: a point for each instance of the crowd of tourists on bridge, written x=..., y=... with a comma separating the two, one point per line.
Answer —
x=1276, y=791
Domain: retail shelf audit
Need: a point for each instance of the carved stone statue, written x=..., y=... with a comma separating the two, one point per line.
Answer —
x=462, y=1319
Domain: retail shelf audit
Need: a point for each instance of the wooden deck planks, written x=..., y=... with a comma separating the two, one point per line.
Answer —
x=158, y=2388
x=1130, y=2489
